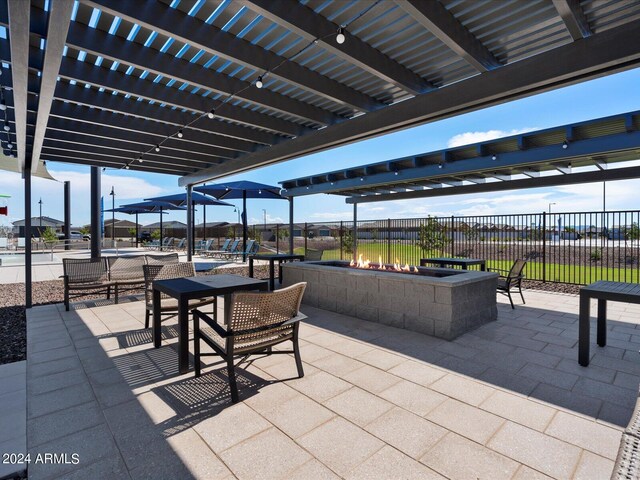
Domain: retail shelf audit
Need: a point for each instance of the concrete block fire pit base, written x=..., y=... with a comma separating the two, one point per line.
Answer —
x=441, y=302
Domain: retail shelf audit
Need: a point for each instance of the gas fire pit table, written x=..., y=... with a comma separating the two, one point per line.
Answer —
x=465, y=263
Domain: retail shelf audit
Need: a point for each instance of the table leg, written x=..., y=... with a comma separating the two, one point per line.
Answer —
x=271, y=274
x=227, y=308
x=183, y=335
x=464, y=266
x=251, y=267
x=157, y=333
x=583, y=330
x=483, y=267
x=280, y=271
x=602, y=322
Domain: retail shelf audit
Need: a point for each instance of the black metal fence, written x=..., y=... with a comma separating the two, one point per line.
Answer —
x=575, y=247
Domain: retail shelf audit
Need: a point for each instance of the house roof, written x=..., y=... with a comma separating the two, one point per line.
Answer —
x=35, y=221
x=102, y=82
x=168, y=224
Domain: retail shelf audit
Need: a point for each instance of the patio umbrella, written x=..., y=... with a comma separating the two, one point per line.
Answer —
x=154, y=206
x=180, y=199
x=242, y=189
x=132, y=211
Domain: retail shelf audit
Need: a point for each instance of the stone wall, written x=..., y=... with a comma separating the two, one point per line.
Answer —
x=443, y=307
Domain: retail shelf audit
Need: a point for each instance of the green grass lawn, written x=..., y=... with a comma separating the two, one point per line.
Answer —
x=554, y=272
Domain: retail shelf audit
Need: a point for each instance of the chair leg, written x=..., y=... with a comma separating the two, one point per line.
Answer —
x=196, y=345
x=510, y=299
x=108, y=293
x=146, y=318
x=521, y=295
x=115, y=296
x=66, y=299
x=296, y=352
x=232, y=379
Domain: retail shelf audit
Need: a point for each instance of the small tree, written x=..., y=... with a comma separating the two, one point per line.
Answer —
x=49, y=236
x=375, y=234
x=432, y=235
x=347, y=241
x=155, y=234
x=85, y=230
x=132, y=232
x=231, y=232
x=632, y=232
x=283, y=233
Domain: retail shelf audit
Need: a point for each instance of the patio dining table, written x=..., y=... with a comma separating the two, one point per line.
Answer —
x=185, y=289
x=465, y=263
x=276, y=257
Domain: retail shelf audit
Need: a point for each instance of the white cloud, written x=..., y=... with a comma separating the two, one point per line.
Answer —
x=467, y=138
x=329, y=216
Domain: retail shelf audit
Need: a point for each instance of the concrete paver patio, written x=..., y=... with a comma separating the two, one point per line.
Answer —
x=505, y=401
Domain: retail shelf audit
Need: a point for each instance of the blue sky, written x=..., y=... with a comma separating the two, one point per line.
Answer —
x=598, y=98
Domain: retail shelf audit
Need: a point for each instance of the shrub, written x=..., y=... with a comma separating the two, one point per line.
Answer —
x=49, y=235
x=596, y=255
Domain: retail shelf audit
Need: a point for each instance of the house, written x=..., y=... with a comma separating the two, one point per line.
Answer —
x=38, y=225
x=122, y=228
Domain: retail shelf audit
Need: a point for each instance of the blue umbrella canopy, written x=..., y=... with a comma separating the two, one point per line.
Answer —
x=154, y=206
x=237, y=190
x=180, y=199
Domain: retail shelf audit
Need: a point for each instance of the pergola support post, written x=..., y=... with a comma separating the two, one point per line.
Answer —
x=190, y=222
x=291, y=225
x=355, y=231
x=27, y=237
x=67, y=214
x=96, y=177
x=244, y=226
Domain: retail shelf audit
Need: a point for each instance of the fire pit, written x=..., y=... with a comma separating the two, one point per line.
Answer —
x=442, y=302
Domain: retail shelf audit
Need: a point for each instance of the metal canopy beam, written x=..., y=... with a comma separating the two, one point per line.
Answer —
x=115, y=48
x=19, y=36
x=304, y=22
x=176, y=24
x=613, y=50
x=113, y=80
x=526, y=159
x=218, y=132
x=92, y=160
x=573, y=18
x=59, y=18
x=574, y=178
x=437, y=19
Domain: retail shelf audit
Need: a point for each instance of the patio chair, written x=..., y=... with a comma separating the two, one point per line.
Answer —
x=511, y=279
x=126, y=273
x=168, y=305
x=85, y=275
x=152, y=245
x=220, y=253
x=182, y=244
x=204, y=247
x=313, y=255
x=255, y=323
x=236, y=253
x=162, y=258
x=167, y=244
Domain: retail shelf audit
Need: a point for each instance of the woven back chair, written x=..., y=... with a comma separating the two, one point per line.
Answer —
x=168, y=305
x=126, y=273
x=313, y=255
x=82, y=274
x=162, y=259
x=255, y=323
x=511, y=279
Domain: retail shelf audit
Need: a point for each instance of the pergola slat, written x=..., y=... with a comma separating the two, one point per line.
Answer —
x=573, y=18
x=179, y=25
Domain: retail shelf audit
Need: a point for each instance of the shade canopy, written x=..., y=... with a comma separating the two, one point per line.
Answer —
x=180, y=199
x=234, y=190
x=154, y=206
x=132, y=210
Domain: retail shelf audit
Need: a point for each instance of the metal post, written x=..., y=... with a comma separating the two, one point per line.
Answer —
x=113, y=217
x=40, y=227
x=96, y=175
x=341, y=239
x=291, y=225
x=190, y=222
x=544, y=247
x=388, y=240
x=137, y=225
x=452, y=239
x=27, y=236
x=355, y=230
x=160, y=228
x=244, y=225
x=204, y=223
x=67, y=214
x=277, y=238
x=192, y=243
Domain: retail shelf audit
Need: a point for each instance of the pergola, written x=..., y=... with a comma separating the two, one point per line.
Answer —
x=206, y=88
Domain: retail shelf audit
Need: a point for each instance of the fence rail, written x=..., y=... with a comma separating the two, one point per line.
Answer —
x=573, y=247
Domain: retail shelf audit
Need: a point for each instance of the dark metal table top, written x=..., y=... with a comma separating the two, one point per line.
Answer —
x=205, y=286
x=613, y=288
x=276, y=256
x=468, y=261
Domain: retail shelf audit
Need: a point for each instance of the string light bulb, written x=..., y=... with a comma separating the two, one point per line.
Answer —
x=180, y=134
x=211, y=113
x=127, y=167
x=494, y=157
x=157, y=149
x=565, y=144
x=140, y=159
x=340, y=38
x=259, y=83
x=9, y=145
x=6, y=127
x=3, y=105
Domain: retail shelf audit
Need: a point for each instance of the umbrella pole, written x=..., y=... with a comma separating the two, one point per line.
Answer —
x=204, y=223
x=137, y=226
x=244, y=226
x=192, y=242
x=160, y=228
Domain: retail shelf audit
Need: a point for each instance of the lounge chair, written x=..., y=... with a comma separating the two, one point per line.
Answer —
x=235, y=254
x=181, y=244
x=169, y=305
x=255, y=323
x=511, y=279
x=204, y=248
x=152, y=245
x=220, y=253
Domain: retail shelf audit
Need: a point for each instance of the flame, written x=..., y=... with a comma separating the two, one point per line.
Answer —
x=397, y=266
